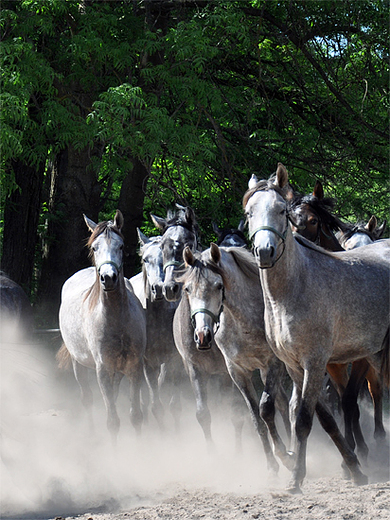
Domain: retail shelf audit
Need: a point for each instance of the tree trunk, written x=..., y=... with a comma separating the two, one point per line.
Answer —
x=21, y=218
x=75, y=191
x=131, y=202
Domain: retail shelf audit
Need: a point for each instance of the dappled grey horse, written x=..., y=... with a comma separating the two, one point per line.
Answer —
x=160, y=345
x=224, y=293
x=179, y=230
x=103, y=324
x=312, y=217
x=314, y=314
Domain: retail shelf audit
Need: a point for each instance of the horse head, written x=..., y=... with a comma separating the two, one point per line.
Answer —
x=179, y=230
x=152, y=265
x=106, y=249
x=203, y=285
x=312, y=217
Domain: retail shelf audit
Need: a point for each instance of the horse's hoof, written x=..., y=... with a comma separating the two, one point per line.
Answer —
x=360, y=479
x=294, y=489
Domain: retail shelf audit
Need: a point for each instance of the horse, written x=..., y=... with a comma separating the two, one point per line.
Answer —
x=312, y=218
x=223, y=290
x=160, y=346
x=231, y=237
x=16, y=316
x=360, y=234
x=103, y=325
x=314, y=314
x=178, y=229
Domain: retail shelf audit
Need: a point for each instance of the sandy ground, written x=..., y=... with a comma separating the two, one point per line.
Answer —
x=53, y=466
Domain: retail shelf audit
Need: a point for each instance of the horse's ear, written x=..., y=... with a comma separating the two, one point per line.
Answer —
x=318, y=190
x=118, y=220
x=215, y=253
x=216, y=229
x=90, y=223
x=241, y=225
x=253, y=181
x=381, y=229
x=159, y=222
x=188, y=256
x=281, y=176
x=190, y=216
x=372, y=223
x=143, y=239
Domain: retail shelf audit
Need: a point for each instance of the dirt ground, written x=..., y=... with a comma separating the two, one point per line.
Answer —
x=54, y=467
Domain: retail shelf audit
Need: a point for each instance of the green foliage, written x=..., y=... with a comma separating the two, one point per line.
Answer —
x=218, y=93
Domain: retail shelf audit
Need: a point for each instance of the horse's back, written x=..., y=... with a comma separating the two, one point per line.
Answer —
x=138, y=286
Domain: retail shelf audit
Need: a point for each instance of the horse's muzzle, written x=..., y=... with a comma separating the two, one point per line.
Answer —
x=108, y=282
x=265, y=257
x=203, y=338
x=172, y=291
x=157, y=292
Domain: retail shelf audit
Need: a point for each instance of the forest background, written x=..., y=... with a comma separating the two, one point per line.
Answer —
x=141, y=104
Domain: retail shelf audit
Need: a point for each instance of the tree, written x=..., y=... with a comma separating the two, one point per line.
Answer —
x=151, y=103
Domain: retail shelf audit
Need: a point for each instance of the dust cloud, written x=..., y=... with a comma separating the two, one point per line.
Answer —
x=53, y=464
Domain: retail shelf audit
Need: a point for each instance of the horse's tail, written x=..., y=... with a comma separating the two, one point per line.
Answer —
x=63, y=357
x=385, y=362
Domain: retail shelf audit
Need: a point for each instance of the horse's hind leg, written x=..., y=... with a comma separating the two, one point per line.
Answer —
x=81, y=374
x=351, y=411
x=376, y=390
x=330, y=426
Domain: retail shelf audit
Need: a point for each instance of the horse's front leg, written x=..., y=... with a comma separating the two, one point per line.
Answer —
x=136, y=378
x=109, y=392
x=243, y=381
x=310, y=382
x=81, y=375
x=199, y=386
x=151, y=374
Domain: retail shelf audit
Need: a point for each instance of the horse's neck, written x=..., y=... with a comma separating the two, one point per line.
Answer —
x=241, y=292
x=279, y=281
x=112, y=303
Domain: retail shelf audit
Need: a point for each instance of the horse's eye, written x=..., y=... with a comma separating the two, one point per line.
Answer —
x=121, y=247
x=94, y=249
x=219, y=286
x=313, y=221
x=187, y=289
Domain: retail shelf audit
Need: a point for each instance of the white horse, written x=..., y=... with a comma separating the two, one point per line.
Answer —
x=103, y=324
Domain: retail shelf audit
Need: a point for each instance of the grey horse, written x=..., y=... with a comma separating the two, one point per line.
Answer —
x=314, y=314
